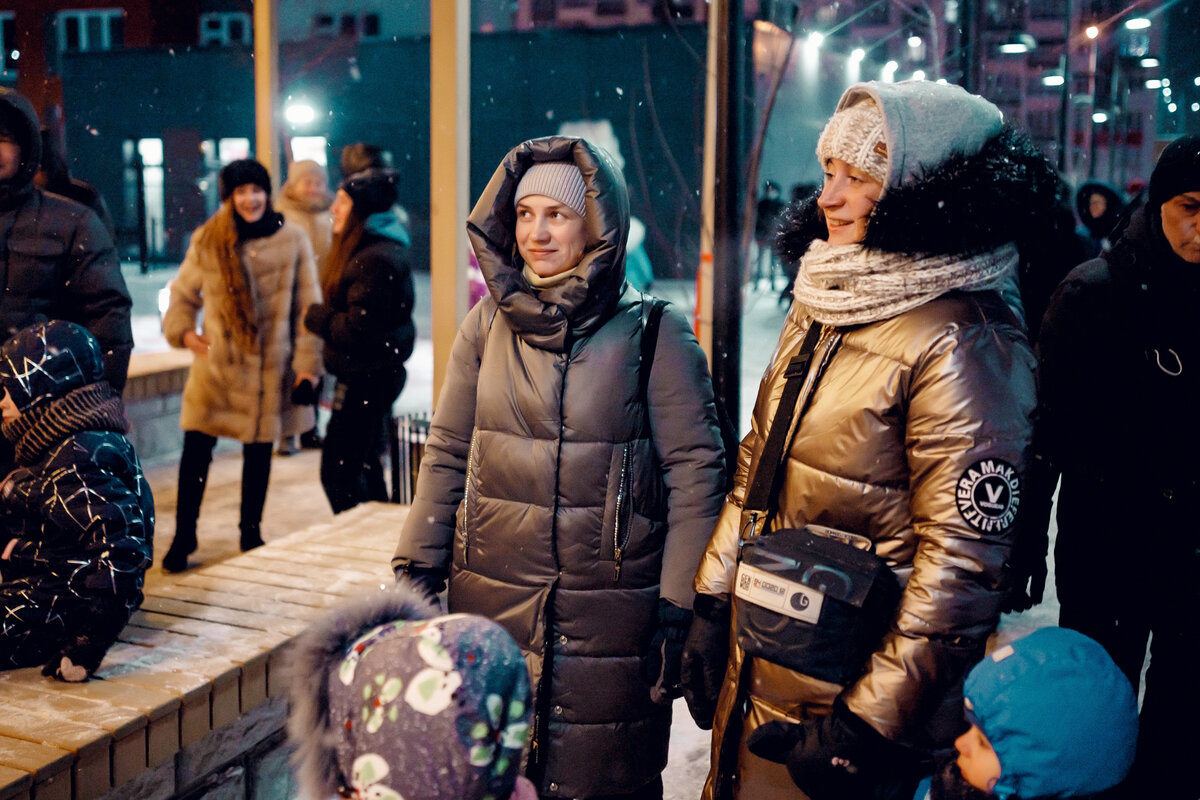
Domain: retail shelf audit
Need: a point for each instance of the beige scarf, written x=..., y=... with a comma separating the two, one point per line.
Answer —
x=847, y=284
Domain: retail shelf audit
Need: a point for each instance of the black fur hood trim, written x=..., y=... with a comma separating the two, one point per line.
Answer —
x=1006, y=192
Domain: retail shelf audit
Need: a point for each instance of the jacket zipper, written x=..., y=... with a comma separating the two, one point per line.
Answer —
x=467, y=501
x=618, y=545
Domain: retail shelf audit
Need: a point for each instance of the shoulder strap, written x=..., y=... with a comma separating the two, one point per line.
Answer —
x=652, y=311
x=760, y=497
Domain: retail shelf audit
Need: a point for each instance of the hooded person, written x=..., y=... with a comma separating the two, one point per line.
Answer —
x=366, y=327
x=77, y=518
x=252, y=275
x=913, y=434
x=390, y=700
x=1117, y=382
x=1099, y=207
x=573, y=470
x=58, y=257
x=1050, y=716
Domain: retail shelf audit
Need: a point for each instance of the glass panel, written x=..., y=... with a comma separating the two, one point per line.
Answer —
x=70, y=32
x=310, y=147
x=151, y=151
x=233, y=149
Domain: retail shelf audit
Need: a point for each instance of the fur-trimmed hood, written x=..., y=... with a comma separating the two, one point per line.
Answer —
x=389, y=696
x=968, y=204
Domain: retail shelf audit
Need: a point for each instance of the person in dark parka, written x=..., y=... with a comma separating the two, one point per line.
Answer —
x=1118, y=393
x=76, y=515
x=58, y=258
x=560, y=498
x=367, y=328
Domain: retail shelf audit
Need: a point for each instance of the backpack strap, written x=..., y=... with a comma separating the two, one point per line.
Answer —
x=652, y=312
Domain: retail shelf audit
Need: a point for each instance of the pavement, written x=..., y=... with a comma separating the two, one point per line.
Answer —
x=295, y=499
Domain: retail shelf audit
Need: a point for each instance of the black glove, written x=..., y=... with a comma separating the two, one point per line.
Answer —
x=831, y=758
x=1026, y=580
x=661, y=668
x=427, y=580
x=705, y=656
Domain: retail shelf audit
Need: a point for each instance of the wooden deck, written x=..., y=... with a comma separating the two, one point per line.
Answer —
x=203, y=652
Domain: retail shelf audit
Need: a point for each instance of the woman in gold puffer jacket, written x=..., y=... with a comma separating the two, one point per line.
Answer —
x=916, y=436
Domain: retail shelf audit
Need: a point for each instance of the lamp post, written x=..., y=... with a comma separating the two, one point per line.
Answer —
x=1093, y=33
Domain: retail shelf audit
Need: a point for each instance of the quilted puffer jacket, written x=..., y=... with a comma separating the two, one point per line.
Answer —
x=917, y=436
x=561, y=503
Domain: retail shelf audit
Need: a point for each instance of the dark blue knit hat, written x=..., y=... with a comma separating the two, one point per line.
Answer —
x=47, y=360
x=1060, y=715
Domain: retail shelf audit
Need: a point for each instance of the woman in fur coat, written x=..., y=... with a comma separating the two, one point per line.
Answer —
x=916, y=422
x=253, y=275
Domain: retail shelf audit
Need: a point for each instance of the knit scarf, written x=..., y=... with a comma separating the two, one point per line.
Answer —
x=89, y=408
x=847, y=284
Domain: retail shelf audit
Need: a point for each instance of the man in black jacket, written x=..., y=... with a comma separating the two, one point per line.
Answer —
x=1117, y=402
x=57, y=260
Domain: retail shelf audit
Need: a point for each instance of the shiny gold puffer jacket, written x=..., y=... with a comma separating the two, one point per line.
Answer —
x=916, y=437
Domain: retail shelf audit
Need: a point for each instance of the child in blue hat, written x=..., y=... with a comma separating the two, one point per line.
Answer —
x=1051, y=716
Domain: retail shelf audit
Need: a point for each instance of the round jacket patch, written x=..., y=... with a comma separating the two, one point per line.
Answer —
x=988, y=494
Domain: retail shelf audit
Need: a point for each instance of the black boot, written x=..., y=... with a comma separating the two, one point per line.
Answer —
x=183, y=545
x=251, y=537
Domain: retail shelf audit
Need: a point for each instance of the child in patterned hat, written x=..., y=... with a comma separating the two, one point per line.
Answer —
x=391, y=702
x=76, y=514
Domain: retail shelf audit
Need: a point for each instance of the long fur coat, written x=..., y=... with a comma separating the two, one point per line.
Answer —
x=231, y=392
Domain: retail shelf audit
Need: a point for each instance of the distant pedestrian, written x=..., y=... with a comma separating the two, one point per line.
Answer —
x=390, y=701
x=253, y=276
x=304, y=200
x=76, y=515
x=914, y=424
x=368, y=332
x=55, y=176
x=1119, y=372
x=1050, y=716
x=1099, y=206
x=766, y=225
x=57, y=258
x=573, y=470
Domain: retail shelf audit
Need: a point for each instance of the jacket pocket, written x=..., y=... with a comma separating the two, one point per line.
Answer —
x=468, y=508
x=618, y=508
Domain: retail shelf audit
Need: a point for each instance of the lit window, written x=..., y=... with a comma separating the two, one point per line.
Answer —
x=8, y=41
x=93, y=29
x=223, y=28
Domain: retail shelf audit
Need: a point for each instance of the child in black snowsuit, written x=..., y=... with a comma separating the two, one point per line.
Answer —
x=76, y=515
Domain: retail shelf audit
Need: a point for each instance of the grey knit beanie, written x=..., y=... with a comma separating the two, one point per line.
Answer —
x=856, y=135
x=560, y=180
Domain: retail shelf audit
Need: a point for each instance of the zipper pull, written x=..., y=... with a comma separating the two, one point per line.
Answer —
x=617, y=550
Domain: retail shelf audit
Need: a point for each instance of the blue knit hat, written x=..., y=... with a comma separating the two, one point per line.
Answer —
x=559, y=180
x=1060, y=715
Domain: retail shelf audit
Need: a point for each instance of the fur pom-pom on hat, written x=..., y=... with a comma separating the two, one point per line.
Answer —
x=386, y=696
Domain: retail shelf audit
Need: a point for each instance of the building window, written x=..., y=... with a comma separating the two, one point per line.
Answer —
x=323, y=25
x=94, y=29
x=371, y=28
x=1047, y=9
x=610, y=8
x=8, y=41
x=224, y=28
x=349, y=25
x=544, y=12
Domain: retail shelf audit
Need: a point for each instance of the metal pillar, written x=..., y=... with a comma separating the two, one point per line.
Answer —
x=727, y=255
x=266, y=86
x=449, y=173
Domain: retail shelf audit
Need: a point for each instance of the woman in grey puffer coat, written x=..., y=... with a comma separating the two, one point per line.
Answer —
x=559, y=495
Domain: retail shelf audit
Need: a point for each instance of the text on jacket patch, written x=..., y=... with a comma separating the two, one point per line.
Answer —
x=988, y=494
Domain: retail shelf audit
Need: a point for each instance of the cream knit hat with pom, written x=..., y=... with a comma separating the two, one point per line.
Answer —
x=857, y=136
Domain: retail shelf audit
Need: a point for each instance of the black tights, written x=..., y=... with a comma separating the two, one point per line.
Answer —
x=193, y=477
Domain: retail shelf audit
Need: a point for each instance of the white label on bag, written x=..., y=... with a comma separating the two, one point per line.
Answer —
x=786, y=597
